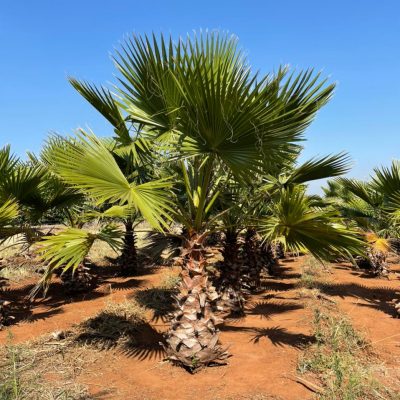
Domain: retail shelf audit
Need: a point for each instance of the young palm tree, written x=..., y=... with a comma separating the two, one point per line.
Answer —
x=366, y=206
x=8, y=216
x=9, y=213
x=100, y=179
x=256, y=203
x=133, y=155
x=303, y=227
x=269, y=189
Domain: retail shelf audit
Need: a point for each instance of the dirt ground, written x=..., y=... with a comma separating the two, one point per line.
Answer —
x=265, y=344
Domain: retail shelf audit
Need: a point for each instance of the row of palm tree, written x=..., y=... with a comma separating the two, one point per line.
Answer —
x=201, y=143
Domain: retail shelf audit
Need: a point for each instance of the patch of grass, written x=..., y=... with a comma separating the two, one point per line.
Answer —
x=23, y=371
x=111, y=327
x=18, y=266
x=17, y=273
x=313, y=272
x=100, y=252
x=341, y=359
x=170, y=280
x=160, y=299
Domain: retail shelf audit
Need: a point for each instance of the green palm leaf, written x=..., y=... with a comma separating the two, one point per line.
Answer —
x=320, y=168
x=302, y=227
x=86, y=164
x=387, y=179
x=9, y=211
x=202, y=90
x=69, y=248
x=103, y=101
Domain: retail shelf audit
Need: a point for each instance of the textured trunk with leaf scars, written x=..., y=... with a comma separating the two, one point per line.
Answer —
x=193, y=339
x=396, y=302
x=268, y=257
x=79, y=281
x=251, y=258
x=279, y=251
x=230, y=282
x=128, y=259
x=378, y=262
x=5, y=317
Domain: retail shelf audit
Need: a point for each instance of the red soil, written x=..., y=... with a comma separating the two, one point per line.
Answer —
x=265, y=345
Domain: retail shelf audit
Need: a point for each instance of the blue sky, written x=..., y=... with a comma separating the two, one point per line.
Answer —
x=355, y=43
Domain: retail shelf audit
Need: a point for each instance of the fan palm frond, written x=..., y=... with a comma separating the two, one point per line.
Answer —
x=202, y=90
x=302, y=227
x=100, y=178
x=104, y=102
x=69, y=248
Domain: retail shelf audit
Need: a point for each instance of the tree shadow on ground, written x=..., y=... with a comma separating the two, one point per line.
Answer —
x=145, y=266
x=126, y=284
x=159, y=300
x=281, y=336
x=267, y=309
x=277, y=335
x=378, y=298
x=277, y=286
x=108, y=331
x=22, y=308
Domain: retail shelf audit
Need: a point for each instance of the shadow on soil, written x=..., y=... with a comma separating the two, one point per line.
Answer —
x=267, y=309
x=377, y=297
x=22, y=307
x=277, y=335
x=108, y=331
x=159, y=300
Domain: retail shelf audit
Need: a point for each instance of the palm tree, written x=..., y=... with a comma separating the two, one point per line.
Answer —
x=200, y=96
x=101, y=180
x=200, y=103
x=8, y=216
x=255, y=204
x=303, y=226
x=365, y=205
x=132, y=154
x=9, y=213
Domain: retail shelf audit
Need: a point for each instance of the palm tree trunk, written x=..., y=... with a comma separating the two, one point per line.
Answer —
x=251, y=258
x=80, y=280
x=128, y=259
x=4, y=313
x=192, y=340
x=268, y=257
x=279, y=251
x=230, y=282
x=378, y=262
x=397, y=304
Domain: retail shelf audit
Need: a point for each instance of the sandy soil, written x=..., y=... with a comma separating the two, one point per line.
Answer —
x=265, y=345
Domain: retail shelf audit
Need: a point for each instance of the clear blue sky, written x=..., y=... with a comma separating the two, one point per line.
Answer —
x=356, y=43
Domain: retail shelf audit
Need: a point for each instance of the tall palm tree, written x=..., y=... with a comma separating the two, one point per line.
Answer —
x=200, y=96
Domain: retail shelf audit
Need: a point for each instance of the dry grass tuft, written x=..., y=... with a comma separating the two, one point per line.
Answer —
x=114, y=326
x=160, y=299
x=341, y=358
x=36, y=370
x=314, y=273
